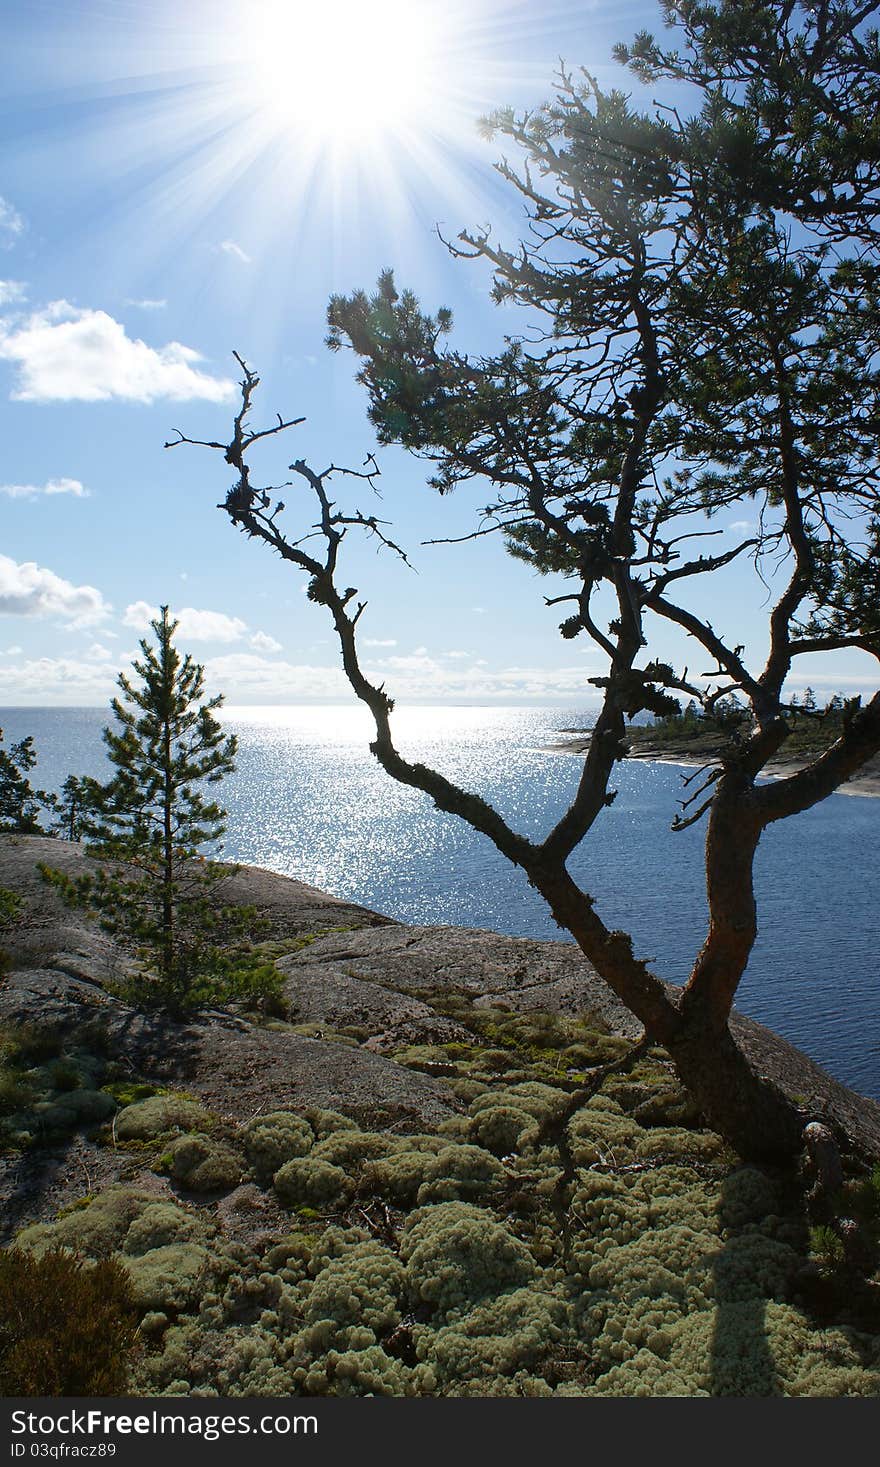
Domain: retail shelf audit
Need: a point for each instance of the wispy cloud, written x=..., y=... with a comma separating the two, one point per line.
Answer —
x=11, y=224
x=379, y=642
x=99, y=653
x=28, y=589
x=229, y=247
x=12, y=292
x=421, y=677
x=64, y=354
x=52, y=486
x=245, y=676
x=147, y=305
x=63, y=680
x=262, y=642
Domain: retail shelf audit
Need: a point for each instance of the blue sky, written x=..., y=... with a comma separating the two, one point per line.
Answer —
x=165, y=201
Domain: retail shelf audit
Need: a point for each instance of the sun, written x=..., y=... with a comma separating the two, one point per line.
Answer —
x=351, y=72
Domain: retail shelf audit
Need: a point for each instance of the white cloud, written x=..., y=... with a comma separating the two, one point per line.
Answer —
x=244, y=676
x=99, y=653
x=11, y=292
x=147, y=305
x=31, y=590
x=421, y=678
x=415, y=662
x=195, y=625
x=229, y=247
x=66, y=354
x=379, y=642
x=63, y=680
x=52, y=486
x=11, y=224
x=262, y=642
x=457, y=654
x=210, y=626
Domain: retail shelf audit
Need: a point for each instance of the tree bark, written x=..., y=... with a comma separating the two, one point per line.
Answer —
x=752, y=1112
x=748, y=1109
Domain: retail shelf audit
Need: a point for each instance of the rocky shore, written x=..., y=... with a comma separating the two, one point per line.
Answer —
x=704, y=750
x=367, y=1196
x=358, y=987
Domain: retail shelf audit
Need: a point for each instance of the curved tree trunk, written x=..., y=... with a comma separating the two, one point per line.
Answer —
x=753, y=1113
x=748, y=1109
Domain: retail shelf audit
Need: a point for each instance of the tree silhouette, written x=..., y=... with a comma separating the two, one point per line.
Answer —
x=705, y=295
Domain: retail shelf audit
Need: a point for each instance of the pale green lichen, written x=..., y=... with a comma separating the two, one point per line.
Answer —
x=456, y=1254
x=310, y=1182
x=169, y=1277
x=460, y=1172
x=204, y=1164
x=325, y=1122
x=355, y=1297
x=162, y=1224
x=96, y=1230
x=349, y=1148
x=158, y=1116
x=682, y=1274
x=511, y=1336
x=501, y=1128
x=273, y=1139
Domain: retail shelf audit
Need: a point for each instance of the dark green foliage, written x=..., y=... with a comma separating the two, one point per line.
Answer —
x=10, y=905
x=158, y=892
x=19, y=802
x=710, y=296
x=810, y=728
x=67, y=1327
x=77, y=803
x=214, y=977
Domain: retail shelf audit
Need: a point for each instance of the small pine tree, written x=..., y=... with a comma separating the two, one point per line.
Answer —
x=74, y=806
x=19, y=802
x=150, y=822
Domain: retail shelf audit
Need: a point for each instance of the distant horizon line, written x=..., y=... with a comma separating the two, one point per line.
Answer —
x=314, y=703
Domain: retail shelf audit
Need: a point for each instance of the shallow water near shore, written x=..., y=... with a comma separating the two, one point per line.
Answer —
x=308, y=800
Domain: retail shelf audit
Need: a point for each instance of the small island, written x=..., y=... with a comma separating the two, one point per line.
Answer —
x=694, y=738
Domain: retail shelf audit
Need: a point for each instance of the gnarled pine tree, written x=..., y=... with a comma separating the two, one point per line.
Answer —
x=705, y=291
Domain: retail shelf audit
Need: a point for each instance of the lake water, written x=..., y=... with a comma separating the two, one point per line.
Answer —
x=308, y=800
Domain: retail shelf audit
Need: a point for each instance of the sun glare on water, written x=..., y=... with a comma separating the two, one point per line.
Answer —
x=346, y=71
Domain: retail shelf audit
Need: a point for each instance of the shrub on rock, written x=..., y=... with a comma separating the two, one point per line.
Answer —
x=159, y=1115
x=271, y=1140
x=204, y=1165
x=67, y=1327
x=308, y=1182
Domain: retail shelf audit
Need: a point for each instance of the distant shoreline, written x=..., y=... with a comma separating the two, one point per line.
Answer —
x=680, y=752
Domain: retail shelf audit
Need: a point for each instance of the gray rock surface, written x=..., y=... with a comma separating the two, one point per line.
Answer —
x=381, y=972
x=375, y=975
